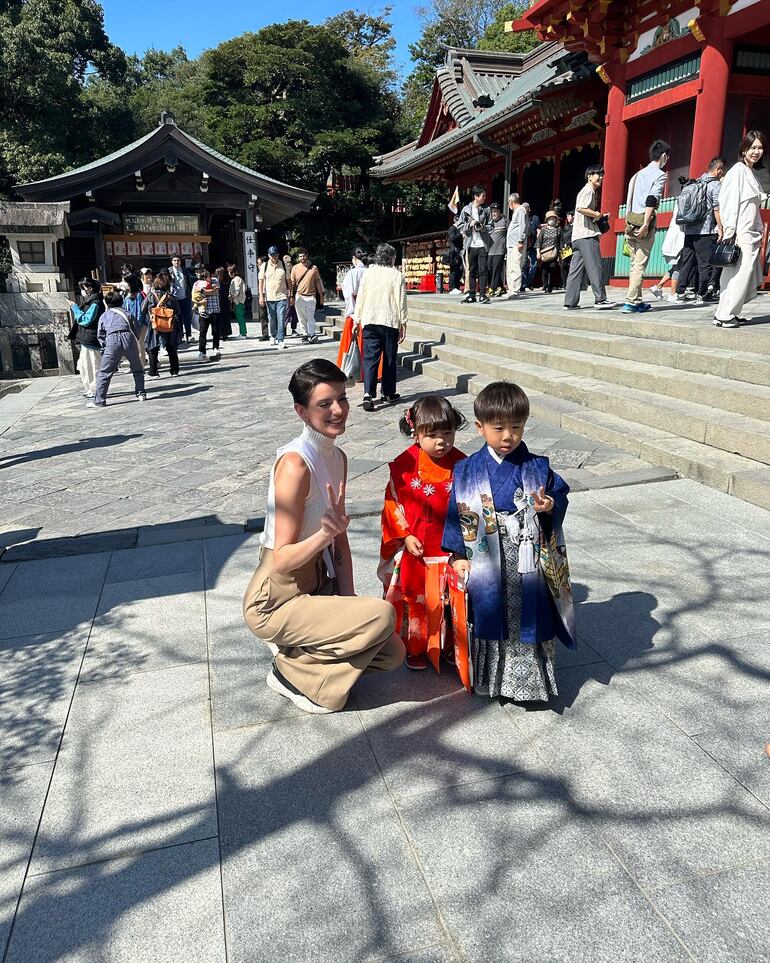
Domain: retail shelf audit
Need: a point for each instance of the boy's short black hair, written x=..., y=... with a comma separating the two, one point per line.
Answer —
x=431, y=413
x=114, y=299
x=594, y=169
x=478, y=189
x=501, y=401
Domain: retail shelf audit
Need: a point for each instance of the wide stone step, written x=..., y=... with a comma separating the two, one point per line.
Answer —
x=727, y=431
x=753, y=339
x=720, y=362
x=743, y=477
x=730, y=473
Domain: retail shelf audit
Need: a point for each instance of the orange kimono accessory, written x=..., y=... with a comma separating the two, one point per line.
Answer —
x=416, y=502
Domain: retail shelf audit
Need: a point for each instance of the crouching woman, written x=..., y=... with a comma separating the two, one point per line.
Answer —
x=320, y=647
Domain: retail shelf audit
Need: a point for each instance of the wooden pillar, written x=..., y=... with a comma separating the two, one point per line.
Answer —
x=615, y=157
x=710, y=105
x=556, y=176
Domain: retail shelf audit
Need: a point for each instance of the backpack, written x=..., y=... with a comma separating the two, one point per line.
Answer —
x=693, y=203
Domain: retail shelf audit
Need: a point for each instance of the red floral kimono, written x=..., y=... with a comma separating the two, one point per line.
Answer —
x=416, y=502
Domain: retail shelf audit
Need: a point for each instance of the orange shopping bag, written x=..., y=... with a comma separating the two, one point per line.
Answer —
x=460, y=627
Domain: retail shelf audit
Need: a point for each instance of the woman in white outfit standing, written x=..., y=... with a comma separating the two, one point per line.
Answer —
x=739, y=198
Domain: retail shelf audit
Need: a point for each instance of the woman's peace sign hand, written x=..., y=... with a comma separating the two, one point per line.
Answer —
x=335, y=522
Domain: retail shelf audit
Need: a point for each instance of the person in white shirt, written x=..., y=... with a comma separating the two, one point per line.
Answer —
x=645, y=191
x=739, y=199
x=516, y=245
x=381, y=311
x=237, y=296
x=586, y=257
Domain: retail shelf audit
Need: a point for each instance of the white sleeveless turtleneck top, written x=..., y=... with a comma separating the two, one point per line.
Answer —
x=327, y=465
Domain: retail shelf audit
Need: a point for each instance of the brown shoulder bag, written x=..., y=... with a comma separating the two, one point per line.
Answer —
x=162, y=318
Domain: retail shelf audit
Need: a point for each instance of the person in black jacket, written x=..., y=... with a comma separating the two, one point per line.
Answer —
x=155, y=340
x=86, y=323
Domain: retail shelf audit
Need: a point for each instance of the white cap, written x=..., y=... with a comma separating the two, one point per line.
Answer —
x=146, y=270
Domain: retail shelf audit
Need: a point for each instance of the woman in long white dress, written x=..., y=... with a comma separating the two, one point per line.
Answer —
x=739, y=199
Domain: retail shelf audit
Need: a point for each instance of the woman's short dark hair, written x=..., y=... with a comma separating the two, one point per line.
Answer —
x=162, y=281
x=748, y=139
x=501, y=401
x=658, y=148
x=90, y=284
x=361, y=255
x=431, y=413
x=309, y=375
x=385, y=256
x=594, y=169
x=114, y=299
x=478, y=189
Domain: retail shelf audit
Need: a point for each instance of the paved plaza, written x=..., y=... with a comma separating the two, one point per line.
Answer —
x=159, y=803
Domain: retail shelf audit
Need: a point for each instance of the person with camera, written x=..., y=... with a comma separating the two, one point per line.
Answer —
x=586, y=258
x=645, y=191
x=474, y=223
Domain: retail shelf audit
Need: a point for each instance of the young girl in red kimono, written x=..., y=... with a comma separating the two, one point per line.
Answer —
x=416, y=500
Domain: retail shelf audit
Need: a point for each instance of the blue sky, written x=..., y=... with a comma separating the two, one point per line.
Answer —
x=197, y=24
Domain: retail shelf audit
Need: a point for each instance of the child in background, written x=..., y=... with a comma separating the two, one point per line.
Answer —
x=117, y=335
x=503, y=529
x=416, y=500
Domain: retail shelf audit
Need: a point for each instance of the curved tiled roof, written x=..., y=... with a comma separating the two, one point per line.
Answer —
x=544, y=71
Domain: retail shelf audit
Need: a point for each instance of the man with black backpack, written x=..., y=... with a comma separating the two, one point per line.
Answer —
x=698, y=216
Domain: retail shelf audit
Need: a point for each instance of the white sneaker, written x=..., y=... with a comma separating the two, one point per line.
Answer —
x=202, y=356
x=605, y=305
x=656, y=291
x=273, y=342
x=455, y=291
x=299, y=700
x=282, y=346
x=215, y=355
x=671, y=298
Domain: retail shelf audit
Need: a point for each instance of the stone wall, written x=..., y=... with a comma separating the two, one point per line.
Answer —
x=34, y=328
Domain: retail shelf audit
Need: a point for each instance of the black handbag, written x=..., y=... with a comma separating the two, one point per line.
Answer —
x=603, y=223
x=725, y=253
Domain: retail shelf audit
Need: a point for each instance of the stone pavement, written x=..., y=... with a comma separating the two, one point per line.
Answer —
x=159, y=803
x=200, y=451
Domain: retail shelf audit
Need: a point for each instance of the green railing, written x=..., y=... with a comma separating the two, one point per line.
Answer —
x=667, y=204
x=656, y=266
x=669, y=76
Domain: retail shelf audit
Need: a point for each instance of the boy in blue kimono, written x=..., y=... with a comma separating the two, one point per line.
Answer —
x=503, y=530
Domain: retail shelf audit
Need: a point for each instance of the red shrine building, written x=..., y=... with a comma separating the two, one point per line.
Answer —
x=696, y=74
x=609, y=77
x=523, y=122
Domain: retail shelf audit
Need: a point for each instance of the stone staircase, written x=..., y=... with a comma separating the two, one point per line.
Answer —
x=668, y=386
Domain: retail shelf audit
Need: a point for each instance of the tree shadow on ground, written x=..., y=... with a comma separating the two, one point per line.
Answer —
x=285, y=812
x=84, y=444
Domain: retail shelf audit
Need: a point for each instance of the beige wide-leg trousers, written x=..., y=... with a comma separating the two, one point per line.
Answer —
x=324, y=642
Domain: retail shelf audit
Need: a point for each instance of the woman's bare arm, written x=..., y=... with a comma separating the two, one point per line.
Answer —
x=292, y=485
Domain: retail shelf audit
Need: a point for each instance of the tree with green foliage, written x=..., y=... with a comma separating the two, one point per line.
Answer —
x=496, y=38
x=48, y=50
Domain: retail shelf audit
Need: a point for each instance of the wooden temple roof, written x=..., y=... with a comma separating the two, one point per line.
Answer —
x=538, y=100
x=168, y=142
